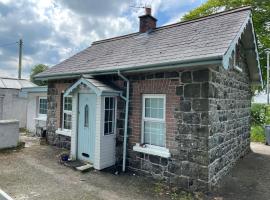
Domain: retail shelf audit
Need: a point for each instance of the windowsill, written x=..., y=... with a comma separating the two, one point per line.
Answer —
x=63, y=132
x=41, y=118
x=157, y=151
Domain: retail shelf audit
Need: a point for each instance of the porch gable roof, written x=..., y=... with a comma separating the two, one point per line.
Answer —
x=97, y=86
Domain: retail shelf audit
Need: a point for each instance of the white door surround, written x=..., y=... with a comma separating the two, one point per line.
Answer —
x=104, y=145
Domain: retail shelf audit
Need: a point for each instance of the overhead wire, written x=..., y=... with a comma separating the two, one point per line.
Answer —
x=8, y=44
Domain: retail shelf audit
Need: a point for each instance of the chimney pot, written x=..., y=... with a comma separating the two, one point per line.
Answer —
x=147, y=21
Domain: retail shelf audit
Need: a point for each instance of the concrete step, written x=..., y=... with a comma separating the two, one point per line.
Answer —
x=85, y=167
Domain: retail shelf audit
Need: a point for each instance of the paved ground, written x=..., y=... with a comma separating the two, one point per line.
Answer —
x=250, y=178
x=34, y=173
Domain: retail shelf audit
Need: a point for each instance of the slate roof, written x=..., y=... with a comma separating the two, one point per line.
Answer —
x=12, y=83
x=98, y=86
x=204, y=38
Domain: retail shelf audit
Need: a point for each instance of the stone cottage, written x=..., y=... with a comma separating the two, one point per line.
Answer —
x=172, y=102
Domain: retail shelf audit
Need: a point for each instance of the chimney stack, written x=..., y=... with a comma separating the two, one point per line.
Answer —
x=147, y=21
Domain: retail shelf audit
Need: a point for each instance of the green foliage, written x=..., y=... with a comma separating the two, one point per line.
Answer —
x=257, y=134
x=36, y=70
x=261, y=20
x=258, y=114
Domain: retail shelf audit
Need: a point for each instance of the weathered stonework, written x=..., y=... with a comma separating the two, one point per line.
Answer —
x=229, y=119
x=207, y=122
x=55, y=89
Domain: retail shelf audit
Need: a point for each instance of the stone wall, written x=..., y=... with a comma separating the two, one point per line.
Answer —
x=207, y=123
x=186, y=126
x=229, y=119
x=54, y=119
x=207, y=130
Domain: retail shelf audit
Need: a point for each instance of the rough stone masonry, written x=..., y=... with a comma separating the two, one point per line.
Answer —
x=207, y=122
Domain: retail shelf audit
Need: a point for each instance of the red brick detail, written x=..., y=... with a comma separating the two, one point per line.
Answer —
x=164, y=86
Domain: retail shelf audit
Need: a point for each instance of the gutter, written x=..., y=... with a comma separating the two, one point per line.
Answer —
x=126, y=98
x=142, y=68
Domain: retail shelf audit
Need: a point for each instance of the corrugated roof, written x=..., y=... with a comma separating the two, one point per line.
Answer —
x=203, y=38
x=12, y=83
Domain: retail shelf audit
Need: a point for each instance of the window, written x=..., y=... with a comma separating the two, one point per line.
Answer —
x=67, y=112
x=153, y=120
x=86, y=116
x=42, y=106
x=109, y=115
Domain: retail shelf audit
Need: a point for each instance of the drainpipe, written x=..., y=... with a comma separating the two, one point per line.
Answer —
x=126, y=121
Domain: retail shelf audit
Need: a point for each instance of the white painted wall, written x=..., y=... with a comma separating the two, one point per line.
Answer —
x=106, y=143
x=9, y=133
x=32, y=111
x=73, y=148
x=14, y=107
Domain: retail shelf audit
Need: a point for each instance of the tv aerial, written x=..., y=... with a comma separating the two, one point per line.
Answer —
x=139, y=4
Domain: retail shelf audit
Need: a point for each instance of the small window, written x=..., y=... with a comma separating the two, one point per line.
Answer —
x=67, y=112
x=43, y=106
x=109, y=115
x=153, y=122
x=86, y=116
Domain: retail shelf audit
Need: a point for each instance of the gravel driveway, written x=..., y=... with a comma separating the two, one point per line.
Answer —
x=34, y=173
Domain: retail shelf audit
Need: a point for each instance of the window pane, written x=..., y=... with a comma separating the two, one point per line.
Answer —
x=147, y=102
x=43, y=106
x=106, y=128
x=147, y=112
x=109, y=115
x=86, y=116
x=111, y=103
x=67, y=121
x=154, y=108
x=107, y=103
x=154, y=133
x=154, y=103
x=68, y=103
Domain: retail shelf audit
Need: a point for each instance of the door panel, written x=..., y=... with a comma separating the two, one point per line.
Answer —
x=86, y=127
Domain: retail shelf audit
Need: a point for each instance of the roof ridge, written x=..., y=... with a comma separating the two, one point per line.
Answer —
x=177, y=24
x=225, y=12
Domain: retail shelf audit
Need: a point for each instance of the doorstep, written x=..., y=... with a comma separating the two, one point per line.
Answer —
x=78, y=165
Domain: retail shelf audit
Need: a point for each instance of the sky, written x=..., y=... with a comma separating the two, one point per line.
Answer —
x=53, y=30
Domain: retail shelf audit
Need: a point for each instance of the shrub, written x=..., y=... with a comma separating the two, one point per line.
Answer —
x=258, y=114
x=257, y=134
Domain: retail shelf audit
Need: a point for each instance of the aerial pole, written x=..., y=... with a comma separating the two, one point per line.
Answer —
x=20, y=59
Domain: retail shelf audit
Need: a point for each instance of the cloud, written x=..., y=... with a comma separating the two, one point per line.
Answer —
x=53, y=30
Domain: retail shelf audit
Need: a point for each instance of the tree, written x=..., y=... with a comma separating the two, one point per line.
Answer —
x=36, y=70
x=261, y=20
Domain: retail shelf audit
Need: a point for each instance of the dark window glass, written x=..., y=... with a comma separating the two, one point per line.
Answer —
x=86, y=116
x=109, y=113
x=43, y=106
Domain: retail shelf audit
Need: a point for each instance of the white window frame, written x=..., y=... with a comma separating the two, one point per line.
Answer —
x=69, y=112
x=145, y=96
x=39, y=114
x=114, y=115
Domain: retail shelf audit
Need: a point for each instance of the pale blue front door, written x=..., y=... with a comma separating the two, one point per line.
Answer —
x=86, y=127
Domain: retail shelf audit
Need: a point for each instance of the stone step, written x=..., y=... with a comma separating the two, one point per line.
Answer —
x=85, y=167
